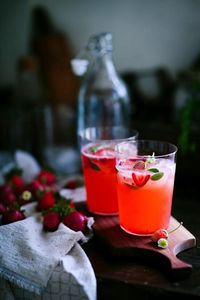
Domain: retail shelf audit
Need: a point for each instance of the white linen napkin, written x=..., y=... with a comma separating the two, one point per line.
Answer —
x=29, y=255
x=35, y=264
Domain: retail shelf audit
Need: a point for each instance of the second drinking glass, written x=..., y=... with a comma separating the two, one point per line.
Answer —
x=146, y=172
x=98, y=161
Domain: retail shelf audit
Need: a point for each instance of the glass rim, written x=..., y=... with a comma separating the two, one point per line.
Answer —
x=137, y=141
x=133, y=134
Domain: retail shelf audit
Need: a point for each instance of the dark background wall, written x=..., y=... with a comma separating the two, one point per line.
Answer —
x=147, y=34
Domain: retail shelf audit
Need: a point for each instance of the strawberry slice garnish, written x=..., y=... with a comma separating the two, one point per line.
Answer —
x=139, y=165
x=106, y=151
x=140, y=179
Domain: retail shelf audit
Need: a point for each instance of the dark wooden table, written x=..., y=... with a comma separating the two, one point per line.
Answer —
x=129, y=278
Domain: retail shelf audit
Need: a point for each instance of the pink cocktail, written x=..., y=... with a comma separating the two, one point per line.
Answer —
x=145, y=186
x=100, y=178
x=98, y=162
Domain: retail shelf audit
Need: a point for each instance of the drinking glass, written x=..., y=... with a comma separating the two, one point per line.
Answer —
x=98, y=162
x=145, y=184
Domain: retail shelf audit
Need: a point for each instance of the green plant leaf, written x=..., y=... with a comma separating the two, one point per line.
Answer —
x=157, y=176
x=94, y=166
x=93, y=149
x=154, y=170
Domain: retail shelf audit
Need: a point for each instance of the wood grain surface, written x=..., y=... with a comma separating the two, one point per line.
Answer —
x=121, y=244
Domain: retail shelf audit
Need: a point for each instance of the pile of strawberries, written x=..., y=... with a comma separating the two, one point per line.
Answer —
x=15, y=193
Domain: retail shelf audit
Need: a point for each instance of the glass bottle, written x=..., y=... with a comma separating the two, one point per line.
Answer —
x=103, y=97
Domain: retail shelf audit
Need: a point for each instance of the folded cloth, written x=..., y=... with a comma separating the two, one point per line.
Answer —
x=68, y=281
x=28, y=255
x=41, y=265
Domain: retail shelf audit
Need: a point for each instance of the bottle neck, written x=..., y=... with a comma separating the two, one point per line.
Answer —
x=102, y=70
x=105, y=63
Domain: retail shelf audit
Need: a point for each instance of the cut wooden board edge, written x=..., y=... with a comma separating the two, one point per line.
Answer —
x=176, y=267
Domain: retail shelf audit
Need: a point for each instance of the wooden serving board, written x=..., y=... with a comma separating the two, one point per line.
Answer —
x=120, y=243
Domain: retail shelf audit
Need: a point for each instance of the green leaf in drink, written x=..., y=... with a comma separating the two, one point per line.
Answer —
x=93, y=149
x=157, y=176
x=153, y=170
x=94, y=166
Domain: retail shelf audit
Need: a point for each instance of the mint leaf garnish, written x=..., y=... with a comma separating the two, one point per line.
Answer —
x=154, y=170
x=94, y=166
x=93, y=149
x=157, y=176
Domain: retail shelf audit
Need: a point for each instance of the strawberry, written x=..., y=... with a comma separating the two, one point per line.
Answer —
x=136, y=159
x=17, y=183
x=106, y=161
x=35, y=188
x=75, y=221
x=139, y=165
x=107, y=151
x=51, y=221
x=12, y=215
x=73, y=183
x=46, y=201
x=158, y=234
x=46, y=177
x=8, y=197
x=140, y=179
x=71, y=205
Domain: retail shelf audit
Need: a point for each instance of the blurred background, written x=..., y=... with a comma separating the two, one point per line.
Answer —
x=156, y=51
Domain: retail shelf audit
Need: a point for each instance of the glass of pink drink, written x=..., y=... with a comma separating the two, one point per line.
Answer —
x=145, y=183
x=98, y=162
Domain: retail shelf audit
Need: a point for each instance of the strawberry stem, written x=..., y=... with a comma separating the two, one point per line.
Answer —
x=181, y=223
x=150, y=160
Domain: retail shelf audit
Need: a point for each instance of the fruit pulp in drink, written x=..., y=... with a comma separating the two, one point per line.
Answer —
x=99, y=171
x=145, y=196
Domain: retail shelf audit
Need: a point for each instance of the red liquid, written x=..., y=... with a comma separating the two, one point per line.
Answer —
x=144, y=209
x=100, y=181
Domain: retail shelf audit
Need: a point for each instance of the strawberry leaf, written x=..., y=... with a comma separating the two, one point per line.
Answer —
x=157, y=176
